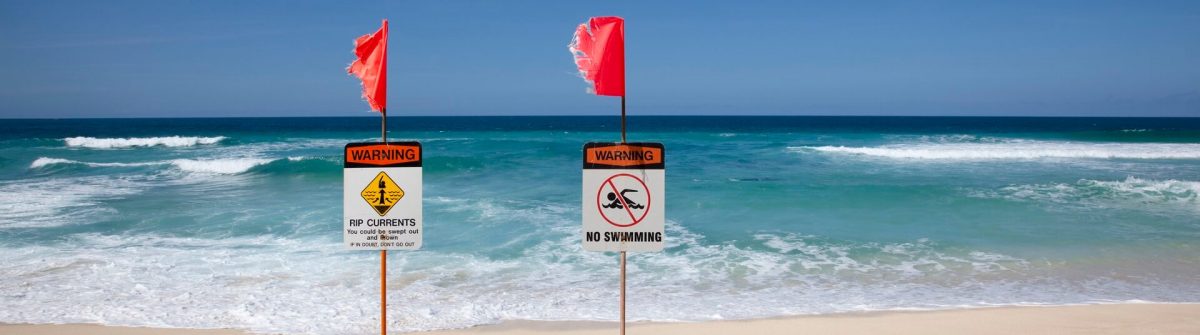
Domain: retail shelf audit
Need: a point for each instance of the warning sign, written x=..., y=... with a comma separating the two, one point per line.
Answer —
x=623, y=200
x=382, y=196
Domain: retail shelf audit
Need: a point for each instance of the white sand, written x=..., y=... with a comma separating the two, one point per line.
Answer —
x=1090, y=319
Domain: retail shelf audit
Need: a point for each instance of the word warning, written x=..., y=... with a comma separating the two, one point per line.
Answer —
x=623, y=196
x=381, y=185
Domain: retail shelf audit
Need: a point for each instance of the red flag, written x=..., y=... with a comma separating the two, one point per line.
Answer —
x=371, y=66
x=599, y=50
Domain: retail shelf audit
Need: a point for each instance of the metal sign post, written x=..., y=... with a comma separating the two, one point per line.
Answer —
x=624, y=200
x=382, y=192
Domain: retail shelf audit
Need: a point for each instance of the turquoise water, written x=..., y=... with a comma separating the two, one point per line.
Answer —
x=236, y=222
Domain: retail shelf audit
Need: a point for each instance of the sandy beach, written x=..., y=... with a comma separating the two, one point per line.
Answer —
x=1090, y=319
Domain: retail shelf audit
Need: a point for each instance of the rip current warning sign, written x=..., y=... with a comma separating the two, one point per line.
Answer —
x=623, y=196
x=381, y=185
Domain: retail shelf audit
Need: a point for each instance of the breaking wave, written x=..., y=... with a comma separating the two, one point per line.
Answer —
x=220, y=166
x=1018, y=150
x=62, y=201
x=42, y=162
x=117, y=143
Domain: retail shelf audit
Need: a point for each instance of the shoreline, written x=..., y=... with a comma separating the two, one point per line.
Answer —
x=1122, y=318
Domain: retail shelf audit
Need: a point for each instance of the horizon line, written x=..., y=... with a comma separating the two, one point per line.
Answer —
x=604, y=115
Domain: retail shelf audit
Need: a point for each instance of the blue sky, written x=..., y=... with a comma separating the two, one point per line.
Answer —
x=276, y=58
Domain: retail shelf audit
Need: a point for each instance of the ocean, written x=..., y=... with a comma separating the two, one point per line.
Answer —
x=236, y=222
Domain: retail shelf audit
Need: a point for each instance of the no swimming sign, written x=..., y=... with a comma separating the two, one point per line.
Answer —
x=623, y=196
x=382, y=196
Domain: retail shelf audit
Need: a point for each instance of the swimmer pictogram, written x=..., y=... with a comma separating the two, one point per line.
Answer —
x=619, y=203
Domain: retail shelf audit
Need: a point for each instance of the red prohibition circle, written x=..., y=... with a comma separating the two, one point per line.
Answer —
x=608, y=182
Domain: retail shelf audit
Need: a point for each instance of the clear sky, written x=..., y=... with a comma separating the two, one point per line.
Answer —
x=288, y=58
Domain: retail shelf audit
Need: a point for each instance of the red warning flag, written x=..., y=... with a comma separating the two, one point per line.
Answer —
x=599, y=50
x=371, y=66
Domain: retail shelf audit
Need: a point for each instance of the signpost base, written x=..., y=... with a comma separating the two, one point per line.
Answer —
x=383, y=291
x=622, y=293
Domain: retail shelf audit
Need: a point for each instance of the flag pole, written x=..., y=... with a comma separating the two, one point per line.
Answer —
x=622, y=252
x=383, y=252
x=622, y=119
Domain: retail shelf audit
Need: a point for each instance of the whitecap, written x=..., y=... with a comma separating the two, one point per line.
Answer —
x=203, y=166
x=42, y=162
x=219, y=166
x=1017, y=150
x=116, y=143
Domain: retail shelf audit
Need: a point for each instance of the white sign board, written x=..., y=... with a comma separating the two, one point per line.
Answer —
x=624, y=196
x=382, y=196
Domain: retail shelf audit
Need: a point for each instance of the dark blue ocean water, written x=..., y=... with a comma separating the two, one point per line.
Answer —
x=235, y=222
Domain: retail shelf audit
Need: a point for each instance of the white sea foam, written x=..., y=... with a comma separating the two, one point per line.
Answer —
x=1017, y=150
x=116, y=143
x=204, y=166
x=44, y=161
x=1167, y=190
x=49, y=161
x=219, y=166
x=309, y=284
x=1132, y=191
x=62, y=201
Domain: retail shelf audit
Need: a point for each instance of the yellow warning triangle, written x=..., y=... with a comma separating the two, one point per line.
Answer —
x=382, y=193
